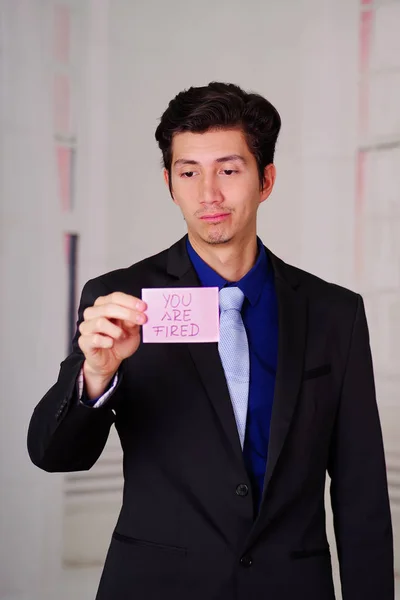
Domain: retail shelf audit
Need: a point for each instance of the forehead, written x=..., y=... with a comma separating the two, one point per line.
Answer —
x=210, y=145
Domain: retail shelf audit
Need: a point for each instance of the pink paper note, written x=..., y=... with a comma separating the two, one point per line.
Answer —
x=181, y=315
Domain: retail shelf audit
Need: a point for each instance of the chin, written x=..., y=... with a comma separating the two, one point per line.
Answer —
x=214, y=235
x=218, y=237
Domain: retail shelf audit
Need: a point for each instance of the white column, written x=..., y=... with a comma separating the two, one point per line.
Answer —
x=32, y=305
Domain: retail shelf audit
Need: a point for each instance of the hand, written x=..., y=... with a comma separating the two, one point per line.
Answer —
x=110, y=332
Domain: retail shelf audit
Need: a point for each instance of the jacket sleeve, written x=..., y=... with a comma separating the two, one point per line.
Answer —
x=359, y=492
x=64, y=434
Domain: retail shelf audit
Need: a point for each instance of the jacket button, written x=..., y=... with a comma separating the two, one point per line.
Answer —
x=242, y=489
x=246, y=561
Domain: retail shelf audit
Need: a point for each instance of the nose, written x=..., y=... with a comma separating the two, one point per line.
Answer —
x=210, y=192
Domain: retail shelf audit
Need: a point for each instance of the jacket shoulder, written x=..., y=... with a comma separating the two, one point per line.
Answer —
x=321, y=287
x=328, y=297
x=330, y=304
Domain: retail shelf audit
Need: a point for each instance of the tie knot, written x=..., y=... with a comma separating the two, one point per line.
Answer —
x=231, y=298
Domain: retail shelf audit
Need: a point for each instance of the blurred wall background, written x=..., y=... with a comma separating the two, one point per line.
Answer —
x=82, y=85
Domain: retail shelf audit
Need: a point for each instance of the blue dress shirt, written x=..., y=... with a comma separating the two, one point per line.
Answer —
x=260, y=318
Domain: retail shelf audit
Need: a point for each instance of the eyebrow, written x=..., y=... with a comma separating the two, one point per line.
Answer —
x=222, y=159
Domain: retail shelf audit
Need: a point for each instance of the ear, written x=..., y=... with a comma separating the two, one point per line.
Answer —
x=166, y=177
x=269, y=181
x=167, y=182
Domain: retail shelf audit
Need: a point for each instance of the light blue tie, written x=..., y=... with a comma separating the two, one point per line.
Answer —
x=234, y=352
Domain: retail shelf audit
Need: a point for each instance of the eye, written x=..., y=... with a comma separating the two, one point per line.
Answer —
x=229, y=171
x=187, y=174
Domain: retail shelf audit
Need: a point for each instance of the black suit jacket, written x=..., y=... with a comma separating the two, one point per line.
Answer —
x=187, y=529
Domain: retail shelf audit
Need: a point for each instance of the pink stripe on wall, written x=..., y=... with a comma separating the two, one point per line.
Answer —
x=62, y=33
x=366, y=24
x=359, y=224
x=365, y=36
x=61, y=104
x=63, y=156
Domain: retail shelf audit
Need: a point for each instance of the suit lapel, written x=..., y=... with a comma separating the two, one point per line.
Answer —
x=206, y=357
x=292, y=307
x=292, y=310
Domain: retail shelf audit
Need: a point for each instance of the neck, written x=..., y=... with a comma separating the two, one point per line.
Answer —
x=231, y=260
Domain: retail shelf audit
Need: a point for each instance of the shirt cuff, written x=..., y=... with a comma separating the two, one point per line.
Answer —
x=97, y=402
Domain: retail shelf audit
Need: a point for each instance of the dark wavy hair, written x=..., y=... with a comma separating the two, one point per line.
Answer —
x=221, y=106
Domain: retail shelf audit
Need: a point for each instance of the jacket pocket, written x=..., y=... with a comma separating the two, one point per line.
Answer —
x=310, y=553
x=147, y=544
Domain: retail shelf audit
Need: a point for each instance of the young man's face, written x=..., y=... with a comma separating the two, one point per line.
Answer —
x=215, y=183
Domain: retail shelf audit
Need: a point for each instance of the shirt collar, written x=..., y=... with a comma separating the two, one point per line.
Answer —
x=251, y=284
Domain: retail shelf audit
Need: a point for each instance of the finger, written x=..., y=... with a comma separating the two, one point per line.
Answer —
x=103, y=326
x=96, y=341
x=129, y=325
x=122, y=299
x=113, y=311
x=140, y=319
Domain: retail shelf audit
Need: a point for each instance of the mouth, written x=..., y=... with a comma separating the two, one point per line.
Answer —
x=216, y=218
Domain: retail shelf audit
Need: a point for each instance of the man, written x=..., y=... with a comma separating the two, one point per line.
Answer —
x=226, y=446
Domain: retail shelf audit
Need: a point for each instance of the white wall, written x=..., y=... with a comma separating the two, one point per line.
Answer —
x=134, y=56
